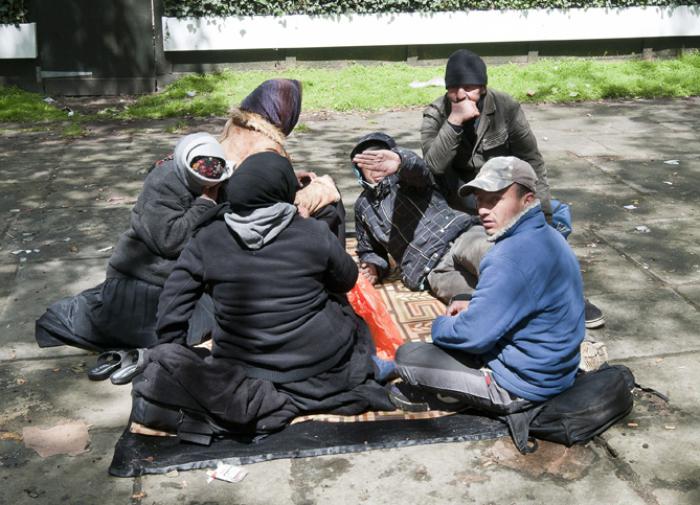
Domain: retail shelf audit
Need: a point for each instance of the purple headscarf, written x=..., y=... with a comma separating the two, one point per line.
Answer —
x=278, y=101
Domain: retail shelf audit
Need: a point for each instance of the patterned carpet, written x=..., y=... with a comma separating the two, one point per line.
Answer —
x=413, y=313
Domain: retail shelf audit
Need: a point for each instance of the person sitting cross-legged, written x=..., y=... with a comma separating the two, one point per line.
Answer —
x=402, y=214
x=285, y=340
x=472, y=123
x=516, y=342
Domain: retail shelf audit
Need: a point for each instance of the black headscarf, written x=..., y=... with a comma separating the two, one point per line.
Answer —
x=262, y=180
x=278, y=101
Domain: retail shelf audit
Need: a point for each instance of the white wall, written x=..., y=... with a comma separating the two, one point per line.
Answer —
x=18, y=41
x=265, y=32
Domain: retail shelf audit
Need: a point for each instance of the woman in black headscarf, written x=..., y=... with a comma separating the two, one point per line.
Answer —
x=284, y=342
x=262, y=123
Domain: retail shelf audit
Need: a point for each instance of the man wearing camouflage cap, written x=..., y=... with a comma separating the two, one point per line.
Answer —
x=517, y=340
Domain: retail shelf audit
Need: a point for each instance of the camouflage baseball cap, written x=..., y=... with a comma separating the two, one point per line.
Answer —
x=499, y=173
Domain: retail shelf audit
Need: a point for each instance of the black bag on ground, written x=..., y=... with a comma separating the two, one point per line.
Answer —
x=596, y=401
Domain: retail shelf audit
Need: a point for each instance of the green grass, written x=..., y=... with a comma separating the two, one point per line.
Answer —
x=381, y=87
x=179, y=127
x=18, y=105
x=372, y=88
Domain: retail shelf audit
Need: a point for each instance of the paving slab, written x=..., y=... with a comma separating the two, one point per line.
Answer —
x=605, y=270
x=574, y=172
x=670, y=249
x=597, y=204
x=269, y=482
x=26, y=478
x=676, y=180
x=691, y=291
x=601, y=156
x=72, y=232
x=658, y=443
x=480, y=472
x=41, y=284
x=647, y=323
x=27, y=401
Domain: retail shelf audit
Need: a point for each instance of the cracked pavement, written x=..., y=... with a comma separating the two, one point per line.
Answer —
x=65, y=201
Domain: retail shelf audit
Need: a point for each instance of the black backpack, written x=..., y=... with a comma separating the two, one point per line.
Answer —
x=596, y=401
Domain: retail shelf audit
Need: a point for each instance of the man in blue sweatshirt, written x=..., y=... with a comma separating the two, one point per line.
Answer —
x=516, y=341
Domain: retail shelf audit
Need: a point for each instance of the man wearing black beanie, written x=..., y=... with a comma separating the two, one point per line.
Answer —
x=470, y=124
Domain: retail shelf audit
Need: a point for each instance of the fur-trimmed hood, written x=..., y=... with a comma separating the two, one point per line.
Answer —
x=513, y=222
x=248, y=133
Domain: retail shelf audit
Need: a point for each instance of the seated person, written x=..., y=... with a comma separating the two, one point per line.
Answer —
x=401, y=211
x=262, y=123
x=404, y=215
x=284, y=342
x=472, y=123
x=517, y=341
x=120, y=313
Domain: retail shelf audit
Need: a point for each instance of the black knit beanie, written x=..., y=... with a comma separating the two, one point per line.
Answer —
x=465, y=67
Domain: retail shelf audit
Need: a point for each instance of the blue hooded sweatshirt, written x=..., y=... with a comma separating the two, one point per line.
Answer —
x=526, y=316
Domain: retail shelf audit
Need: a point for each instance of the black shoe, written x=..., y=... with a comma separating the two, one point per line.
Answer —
x=594, y=316
x=412, y=399
x=155, y=416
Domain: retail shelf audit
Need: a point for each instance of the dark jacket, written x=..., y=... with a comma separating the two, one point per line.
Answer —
x=274, y=314
x=161, y=224
x=526, y=317
x=407, y=217
x=501, y=130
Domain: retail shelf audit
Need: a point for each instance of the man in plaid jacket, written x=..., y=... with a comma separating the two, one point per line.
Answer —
x=401, y=213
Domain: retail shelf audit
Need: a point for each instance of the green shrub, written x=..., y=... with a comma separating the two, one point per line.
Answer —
x=202, y=8
x=12, y=12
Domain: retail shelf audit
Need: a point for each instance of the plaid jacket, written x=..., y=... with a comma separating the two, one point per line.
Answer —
x=406, y=217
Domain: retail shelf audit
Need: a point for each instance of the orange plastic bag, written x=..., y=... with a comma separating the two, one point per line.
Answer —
x=368, y=304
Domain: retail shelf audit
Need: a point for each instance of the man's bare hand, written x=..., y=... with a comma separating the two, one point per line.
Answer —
x=370, y=272
x=462, y=112
x=304, y=177
x=211, y=193
x=303, y=211
x=380, y=164
x=456, y=307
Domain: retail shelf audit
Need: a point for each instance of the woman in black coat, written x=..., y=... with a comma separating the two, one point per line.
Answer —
x=120, y=313
x=285, y=341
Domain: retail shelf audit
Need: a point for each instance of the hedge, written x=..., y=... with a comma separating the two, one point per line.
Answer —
x=15, y=11
x=12, y=12
x=204, y=8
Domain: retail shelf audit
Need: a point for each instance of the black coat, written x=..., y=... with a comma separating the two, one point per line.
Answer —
x=161, y=224
x=273, y=308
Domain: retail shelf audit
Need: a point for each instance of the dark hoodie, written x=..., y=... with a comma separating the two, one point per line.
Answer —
x=404, y=216
x=270, y=274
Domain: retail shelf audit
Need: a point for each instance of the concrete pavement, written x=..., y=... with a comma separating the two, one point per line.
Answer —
x=64, y=202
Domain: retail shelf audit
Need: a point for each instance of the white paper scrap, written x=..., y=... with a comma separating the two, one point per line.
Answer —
x=229, y=473
x=438, y=82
